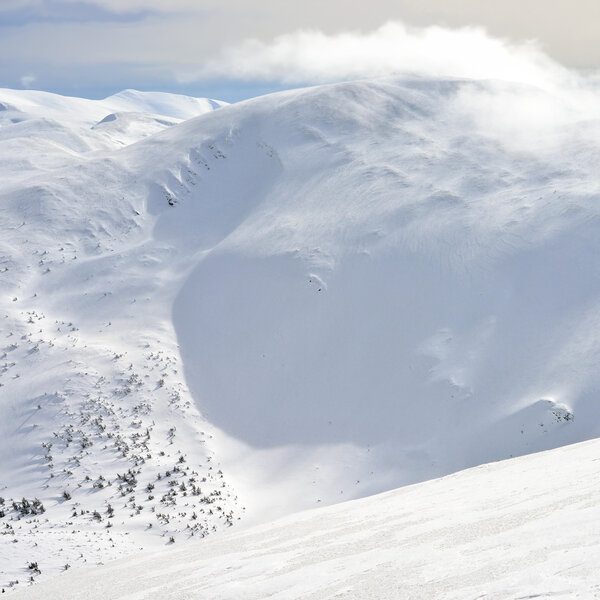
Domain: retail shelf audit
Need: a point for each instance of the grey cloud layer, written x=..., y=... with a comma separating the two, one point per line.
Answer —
x=569, y=31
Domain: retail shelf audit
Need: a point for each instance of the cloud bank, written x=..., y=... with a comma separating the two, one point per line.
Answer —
x=394, y=48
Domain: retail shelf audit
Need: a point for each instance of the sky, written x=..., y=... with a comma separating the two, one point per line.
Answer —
x=235, y=49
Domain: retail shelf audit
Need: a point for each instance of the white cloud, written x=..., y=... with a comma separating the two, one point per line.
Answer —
x=313, y=56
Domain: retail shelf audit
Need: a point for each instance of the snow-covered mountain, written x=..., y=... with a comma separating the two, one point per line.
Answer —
x=300, y=299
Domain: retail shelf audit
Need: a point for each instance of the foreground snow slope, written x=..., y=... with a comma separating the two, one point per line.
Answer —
x=300, y=299
x=523, y=528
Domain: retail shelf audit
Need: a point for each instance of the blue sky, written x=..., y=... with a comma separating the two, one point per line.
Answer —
x=235, y=49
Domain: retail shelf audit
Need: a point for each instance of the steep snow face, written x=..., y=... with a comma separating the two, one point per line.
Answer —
x=400, y=289
x=331, y=292
x=521, y=528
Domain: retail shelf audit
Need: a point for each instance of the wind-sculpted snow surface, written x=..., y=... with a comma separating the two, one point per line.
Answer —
x=305, y=298
x=402, y=292
x=522, y=528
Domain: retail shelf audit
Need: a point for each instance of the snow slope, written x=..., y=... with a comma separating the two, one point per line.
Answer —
x=89, y=417
x=55, y=130
x=389, y=288
x=300, y=299
x=522, y=528
x=20, y=105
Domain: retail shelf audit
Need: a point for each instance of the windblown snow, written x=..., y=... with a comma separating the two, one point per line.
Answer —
x=213, y=317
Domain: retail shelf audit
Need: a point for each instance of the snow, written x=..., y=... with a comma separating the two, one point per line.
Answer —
x=395, y=301
x=302, y=299
x=90, y=416
x=521, y=528
x=29, y=104
x=64, y=125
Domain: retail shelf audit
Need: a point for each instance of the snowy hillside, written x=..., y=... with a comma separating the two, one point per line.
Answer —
x=522, y=528
x=301, y=299
x=55, y=130
x=89, y=417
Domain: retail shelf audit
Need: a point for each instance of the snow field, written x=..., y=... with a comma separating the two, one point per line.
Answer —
x=520, y=528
